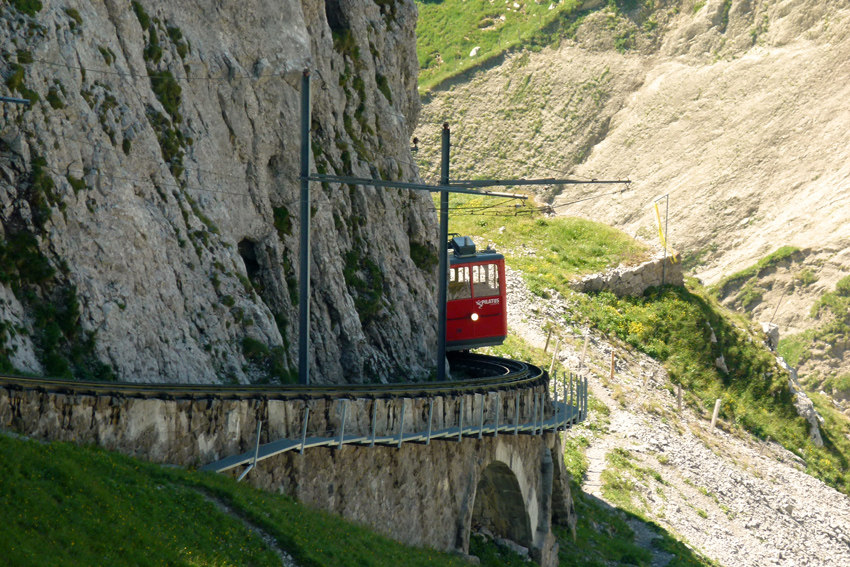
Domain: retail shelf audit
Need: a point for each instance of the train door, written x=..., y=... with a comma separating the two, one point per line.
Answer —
x=460, y=305
x=488, y=303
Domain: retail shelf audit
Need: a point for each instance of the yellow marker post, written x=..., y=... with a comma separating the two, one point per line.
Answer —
x=661, y=234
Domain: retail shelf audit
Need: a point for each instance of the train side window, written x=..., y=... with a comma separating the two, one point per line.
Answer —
x=485, y=280
x=459, y=283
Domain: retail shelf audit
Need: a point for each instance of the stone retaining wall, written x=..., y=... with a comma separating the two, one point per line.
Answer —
x=196, y=432
x=634, y=280
x=419, y=494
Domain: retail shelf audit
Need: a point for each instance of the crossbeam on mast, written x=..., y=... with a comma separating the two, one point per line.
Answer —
x=14, y=100
x=465, y=186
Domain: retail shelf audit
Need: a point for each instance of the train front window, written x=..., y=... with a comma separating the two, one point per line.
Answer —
x=459, y=283
x=485, y=280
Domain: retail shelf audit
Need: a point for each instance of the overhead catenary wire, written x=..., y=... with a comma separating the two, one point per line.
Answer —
x=462, y=139
x=560, y=205
x=160, y=75
x=228, y=77
x=187, y=168
x=153, y=159
x=83, y=172
x=108, y=147
x=547, y=208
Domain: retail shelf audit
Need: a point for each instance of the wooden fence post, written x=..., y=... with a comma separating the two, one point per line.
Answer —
x=716, y=412
x=555, y=354
x=583, y=351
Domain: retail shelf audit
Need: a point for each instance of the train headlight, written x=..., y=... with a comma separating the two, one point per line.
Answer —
x=475, y=316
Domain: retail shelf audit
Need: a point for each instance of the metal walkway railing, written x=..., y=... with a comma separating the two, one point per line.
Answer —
x=495, y=376
x=567, y=413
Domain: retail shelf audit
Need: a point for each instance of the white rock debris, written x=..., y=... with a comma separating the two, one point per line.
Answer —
x=803, y=404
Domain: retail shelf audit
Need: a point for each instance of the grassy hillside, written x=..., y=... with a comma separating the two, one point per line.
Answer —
x=549, y=251
x=673, y=325
x=67, y=505
x=832, y=313
x=449, y=30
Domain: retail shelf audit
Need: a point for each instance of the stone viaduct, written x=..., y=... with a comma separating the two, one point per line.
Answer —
x=430, y=492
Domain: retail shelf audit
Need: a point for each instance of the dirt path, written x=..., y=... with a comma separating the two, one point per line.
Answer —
x=286, y=560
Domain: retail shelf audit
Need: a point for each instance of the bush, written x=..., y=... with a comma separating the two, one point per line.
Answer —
x=28, y=7
x=365, y=282
x=141, y=14
x=168, y=93
x=423, y=256
x=282, y=221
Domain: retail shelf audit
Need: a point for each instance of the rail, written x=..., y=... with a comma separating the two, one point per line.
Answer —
x=498, y=373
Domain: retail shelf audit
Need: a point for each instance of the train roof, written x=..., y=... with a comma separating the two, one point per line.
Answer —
x=464, y=252
x=483, y=256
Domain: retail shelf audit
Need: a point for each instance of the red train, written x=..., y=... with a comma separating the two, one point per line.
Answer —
x=476, y=311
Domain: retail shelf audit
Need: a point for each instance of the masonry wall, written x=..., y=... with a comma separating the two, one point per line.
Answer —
x=419, y=494
x=196, y=432
x=634, y=280
x=425, y=495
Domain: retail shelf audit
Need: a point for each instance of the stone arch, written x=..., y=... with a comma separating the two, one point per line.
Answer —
x=500, y=506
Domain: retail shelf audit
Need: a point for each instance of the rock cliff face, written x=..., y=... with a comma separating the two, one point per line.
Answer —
x=149, y=195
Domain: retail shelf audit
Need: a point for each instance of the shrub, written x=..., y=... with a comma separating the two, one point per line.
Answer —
x=141, y=14
x=282, y=221
x=423, y=256
x=28, y=7
x=365, y=282
x=55, y=100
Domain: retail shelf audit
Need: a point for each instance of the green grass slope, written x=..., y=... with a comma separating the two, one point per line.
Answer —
x=549, y=251
x=449, y=30
x=67, y=505
x=673, y=325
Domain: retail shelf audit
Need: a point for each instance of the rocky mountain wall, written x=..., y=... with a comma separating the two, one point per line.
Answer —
x=149, y=195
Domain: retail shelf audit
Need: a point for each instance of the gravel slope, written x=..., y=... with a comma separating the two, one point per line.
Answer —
x=741, y=502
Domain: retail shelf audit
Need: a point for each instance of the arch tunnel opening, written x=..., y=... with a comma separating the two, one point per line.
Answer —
x=499, y=505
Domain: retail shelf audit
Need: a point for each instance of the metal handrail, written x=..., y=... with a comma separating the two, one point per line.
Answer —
x=516, y=375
